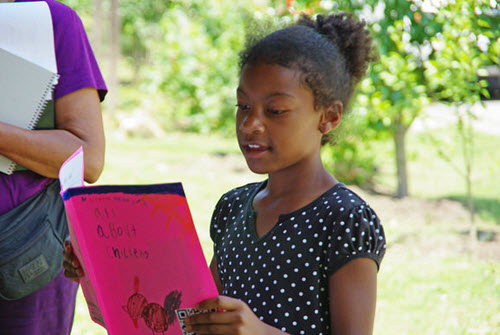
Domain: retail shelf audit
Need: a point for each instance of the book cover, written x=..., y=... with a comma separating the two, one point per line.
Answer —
x=140, y=253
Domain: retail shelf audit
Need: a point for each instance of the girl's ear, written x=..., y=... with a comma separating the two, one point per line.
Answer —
x=330, y=117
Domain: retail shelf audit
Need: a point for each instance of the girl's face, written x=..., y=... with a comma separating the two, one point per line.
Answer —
x=277, y=126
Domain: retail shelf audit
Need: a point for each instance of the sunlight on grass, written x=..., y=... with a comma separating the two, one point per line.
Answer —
x=454, y=295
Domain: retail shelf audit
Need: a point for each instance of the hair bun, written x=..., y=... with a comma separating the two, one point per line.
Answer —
x=351, y=37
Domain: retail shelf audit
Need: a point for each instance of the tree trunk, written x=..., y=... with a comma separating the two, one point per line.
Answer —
x=114, y=56
x=97, y=30
x=470, y=208
x=399, y=141
x=467, y=136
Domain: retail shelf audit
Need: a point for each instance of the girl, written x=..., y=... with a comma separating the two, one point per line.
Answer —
x=299, y=252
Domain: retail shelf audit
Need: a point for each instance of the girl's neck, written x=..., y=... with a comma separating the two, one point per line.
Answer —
x=311, y=181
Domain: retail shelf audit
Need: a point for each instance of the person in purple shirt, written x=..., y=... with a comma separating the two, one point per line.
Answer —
x=78, y=122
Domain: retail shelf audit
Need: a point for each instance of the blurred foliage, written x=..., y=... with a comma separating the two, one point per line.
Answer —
x=180, y=61
x=195, y=64
x=426, y=53
x=463, y=45
x=351, y=155
x=461, y=49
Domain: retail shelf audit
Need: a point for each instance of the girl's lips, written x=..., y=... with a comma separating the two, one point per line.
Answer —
x=257, y=147
x=254, y=150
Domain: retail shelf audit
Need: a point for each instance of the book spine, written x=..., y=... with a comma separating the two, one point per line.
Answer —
x=10, y=169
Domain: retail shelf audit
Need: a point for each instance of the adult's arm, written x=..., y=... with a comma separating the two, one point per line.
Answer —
x=78, y=123
x=353, y=296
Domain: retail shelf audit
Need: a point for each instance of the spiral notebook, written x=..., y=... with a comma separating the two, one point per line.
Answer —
x=24, y=87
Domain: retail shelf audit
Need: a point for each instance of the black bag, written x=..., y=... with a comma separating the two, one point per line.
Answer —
x=31, y=243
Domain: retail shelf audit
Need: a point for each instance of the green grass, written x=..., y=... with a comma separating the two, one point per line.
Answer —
x=426, y=285
x=432, y=177
x=453, y=295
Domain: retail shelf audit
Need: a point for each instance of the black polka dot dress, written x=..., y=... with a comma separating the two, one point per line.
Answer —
x=283, y=275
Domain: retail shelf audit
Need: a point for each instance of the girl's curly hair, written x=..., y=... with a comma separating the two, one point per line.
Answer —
x=332, y=53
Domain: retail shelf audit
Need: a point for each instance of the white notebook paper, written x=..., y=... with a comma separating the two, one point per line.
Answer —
x=23, y=88
x=26, y=31
x=27, y=64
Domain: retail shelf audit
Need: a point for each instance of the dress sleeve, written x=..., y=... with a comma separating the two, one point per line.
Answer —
x=357, y=234
x=217, y=224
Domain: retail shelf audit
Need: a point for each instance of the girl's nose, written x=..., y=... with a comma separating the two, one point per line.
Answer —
x=252, y=122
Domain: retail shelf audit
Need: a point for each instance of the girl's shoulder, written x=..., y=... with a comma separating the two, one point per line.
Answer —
x=337, y=202
x=238, y=199
x=343, y=194
x=355, y=227
x=348, y=208
x=241, y=193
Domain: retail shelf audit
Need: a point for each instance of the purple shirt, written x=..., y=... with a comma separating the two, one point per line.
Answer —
x=50, y=310
x=78, y=69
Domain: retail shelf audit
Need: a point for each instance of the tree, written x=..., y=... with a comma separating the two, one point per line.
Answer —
x=396, y=89
x=97, y=29
x=461, y=49
x=114, y=55
x=394, y=92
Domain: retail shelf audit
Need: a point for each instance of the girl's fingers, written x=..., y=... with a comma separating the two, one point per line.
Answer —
x=214, y=323
x=211, y=329
x=227, y=316
x=220, y=303
x=213, y=318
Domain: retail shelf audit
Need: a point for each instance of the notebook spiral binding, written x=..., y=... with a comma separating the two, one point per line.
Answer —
x=43, y=102
x=39, y=111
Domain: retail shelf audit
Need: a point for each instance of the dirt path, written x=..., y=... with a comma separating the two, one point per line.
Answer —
x=437, y=226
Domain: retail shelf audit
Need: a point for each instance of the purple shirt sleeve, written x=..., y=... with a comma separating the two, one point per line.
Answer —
x=78, y=69
x=76, y=63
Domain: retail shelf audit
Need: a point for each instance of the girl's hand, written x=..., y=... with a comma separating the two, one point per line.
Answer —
x=233, y=317
x=71, y=265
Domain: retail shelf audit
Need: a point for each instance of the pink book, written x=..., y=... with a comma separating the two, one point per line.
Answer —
x=144, y=269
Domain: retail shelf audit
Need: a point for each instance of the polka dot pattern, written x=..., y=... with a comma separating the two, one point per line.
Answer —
x=283, y=275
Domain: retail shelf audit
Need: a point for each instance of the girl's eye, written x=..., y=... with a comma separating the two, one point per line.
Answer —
x=242, y=107
x=276, y=111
